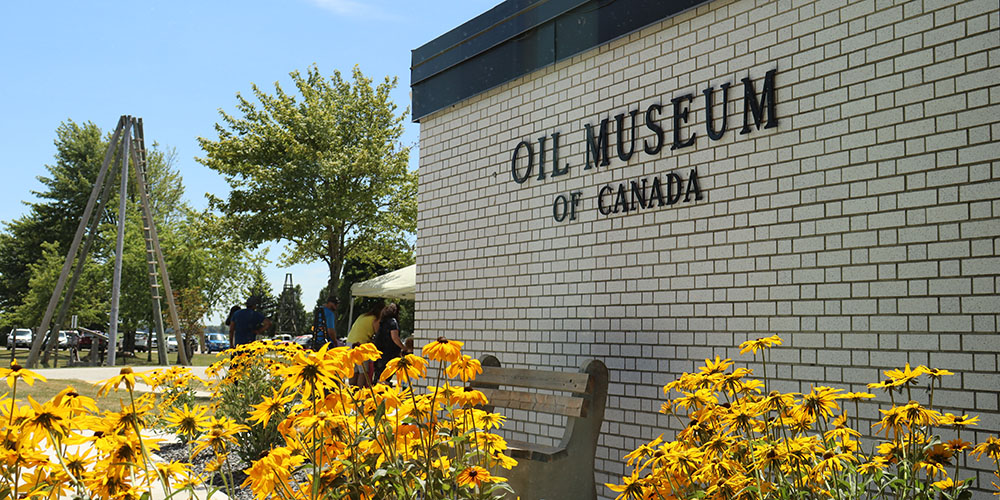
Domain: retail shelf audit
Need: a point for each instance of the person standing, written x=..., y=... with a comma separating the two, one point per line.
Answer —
x=363, y=331
x=328, y=332
x=246, y=324
x=387, y=339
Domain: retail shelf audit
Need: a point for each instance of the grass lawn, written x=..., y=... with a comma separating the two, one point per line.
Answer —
x=44, y=391
x=139, y=360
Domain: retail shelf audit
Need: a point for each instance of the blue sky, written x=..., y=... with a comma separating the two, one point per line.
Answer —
x=176, y=63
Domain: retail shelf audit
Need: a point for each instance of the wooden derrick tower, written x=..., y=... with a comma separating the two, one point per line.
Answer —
x=126, y=148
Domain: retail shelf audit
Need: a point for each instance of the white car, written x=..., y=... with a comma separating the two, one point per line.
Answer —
x=20, y=337
x=284, y=337
x=171, y=343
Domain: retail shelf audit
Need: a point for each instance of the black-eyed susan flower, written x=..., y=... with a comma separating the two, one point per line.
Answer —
x=444, y=350
x=991, y=447
x=906, y=375
x=405, y=368
x=17, y=371
x=272, y=405
x=820, y=402
x=188, y=422
x=126, y=375
x=759, y=344
x=464, y=368
x=477, y=475
x=74, y=401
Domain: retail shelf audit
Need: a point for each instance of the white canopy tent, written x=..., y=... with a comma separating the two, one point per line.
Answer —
x=399, y=284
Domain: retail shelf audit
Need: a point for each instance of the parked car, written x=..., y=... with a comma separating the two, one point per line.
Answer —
x=283, y=337
x=64, y=336
x=303, y=340
x=216, y=342
x=87, y=339
x=171, y=343
x=20, y=337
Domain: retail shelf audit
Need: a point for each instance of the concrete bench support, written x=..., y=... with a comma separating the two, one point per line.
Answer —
x=564, y=471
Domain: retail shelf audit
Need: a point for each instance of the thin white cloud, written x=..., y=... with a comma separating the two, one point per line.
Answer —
x=351, y=8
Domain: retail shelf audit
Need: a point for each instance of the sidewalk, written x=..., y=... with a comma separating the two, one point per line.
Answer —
x=94, y=374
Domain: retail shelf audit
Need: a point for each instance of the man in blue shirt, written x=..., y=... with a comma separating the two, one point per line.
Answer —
x=247, y=323
x=328, y=334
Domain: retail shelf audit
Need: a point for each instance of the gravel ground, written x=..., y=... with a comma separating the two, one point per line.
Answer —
x=177, y=452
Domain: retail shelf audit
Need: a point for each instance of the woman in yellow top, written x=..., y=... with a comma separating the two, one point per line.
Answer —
x=364, y=328
x=362, y=331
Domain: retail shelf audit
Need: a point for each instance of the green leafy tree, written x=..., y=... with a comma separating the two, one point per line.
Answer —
x=198, y=255
x=90, y=303
x=53, y=217
x=322, y=170
x=261, y=288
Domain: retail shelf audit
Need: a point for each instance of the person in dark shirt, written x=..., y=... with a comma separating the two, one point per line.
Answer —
x=387, y=338
x=247, y=323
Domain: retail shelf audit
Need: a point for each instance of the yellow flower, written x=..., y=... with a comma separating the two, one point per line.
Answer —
x=468, y=397
x=856, y=396
x=363, y=352
x=405, y=368
x=497, y=457
x=632, y=487
x=905, y=376
x=125, y=375
x=696, y=399
x=759, y=344
x=74, y=401
x=915, y=414
x=269, y=407
x=444, y=350
x=935, y=373
x=950, y=420
x=944, y=484
x=477, y=475
x=189, y=422
x=220, y=432
x=46, y=420
x=991, y=447
x=268, y=474
x=16, y=371
x=488, y=421
x=717, y=366
x=821, y=401
x=876, y=463
x=958, y=445
x=465, y=368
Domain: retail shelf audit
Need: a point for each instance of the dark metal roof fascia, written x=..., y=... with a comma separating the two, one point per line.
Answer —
x=520, y=36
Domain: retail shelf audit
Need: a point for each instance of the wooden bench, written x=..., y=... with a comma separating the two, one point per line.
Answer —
x=564, y=471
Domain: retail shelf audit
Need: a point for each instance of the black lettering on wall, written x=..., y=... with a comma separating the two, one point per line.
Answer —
x=513, y=162
x=654, y=127
x=600, y=200
x=752, y=106
x=620, y=131
x=638, y=194
x=681, y=116
x=620, y=200
x=656, y=191
x=712, y=134
x=541, y=158
x=556, y=171
x=692, y=187
x=597, y=147
x=674, y=180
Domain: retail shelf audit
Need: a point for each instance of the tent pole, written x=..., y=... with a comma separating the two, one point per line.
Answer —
x=350, y=321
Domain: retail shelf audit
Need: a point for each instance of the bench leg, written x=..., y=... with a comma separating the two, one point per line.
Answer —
x=558, y=480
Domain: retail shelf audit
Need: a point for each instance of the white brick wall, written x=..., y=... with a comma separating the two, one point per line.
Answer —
x=864, y=229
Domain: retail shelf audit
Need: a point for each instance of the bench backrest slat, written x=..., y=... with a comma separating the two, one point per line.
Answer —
x=535, y=379
x=529, y=401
